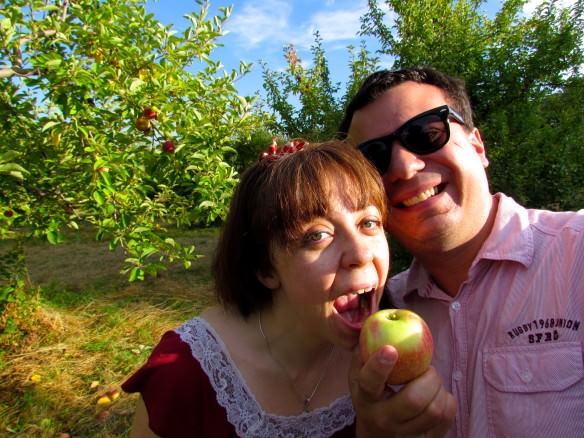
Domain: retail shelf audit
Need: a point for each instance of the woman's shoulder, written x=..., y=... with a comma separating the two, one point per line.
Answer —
x=171, y=363
x=176, y=387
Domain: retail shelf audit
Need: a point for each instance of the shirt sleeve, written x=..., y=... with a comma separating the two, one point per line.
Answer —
x=177, y=393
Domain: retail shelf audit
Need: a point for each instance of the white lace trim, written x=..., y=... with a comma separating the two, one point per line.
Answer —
x=243, y=411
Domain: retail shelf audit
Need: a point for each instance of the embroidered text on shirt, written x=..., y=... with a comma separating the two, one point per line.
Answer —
x=544, y=330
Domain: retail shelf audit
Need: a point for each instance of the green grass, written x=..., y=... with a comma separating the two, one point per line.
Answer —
x=94, y=329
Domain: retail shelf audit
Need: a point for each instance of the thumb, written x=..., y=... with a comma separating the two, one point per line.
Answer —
x=371, y=376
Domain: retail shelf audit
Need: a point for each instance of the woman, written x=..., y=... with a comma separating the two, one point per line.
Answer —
x=300, y=264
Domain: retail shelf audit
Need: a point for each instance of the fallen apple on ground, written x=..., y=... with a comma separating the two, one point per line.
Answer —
x=408, y=333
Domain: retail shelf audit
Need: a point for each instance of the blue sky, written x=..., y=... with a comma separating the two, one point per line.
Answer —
x=259, y=29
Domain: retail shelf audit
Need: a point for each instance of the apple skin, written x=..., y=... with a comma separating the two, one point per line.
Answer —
x=168, y=147
x=143, y=124
x=150, y=113
x=408, y=333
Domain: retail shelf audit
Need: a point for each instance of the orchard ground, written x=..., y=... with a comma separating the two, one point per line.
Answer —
x=95, y=329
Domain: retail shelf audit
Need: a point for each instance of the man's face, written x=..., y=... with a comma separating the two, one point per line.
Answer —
x=437, y=201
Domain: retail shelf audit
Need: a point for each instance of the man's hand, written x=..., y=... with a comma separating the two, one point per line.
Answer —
x=421, y=407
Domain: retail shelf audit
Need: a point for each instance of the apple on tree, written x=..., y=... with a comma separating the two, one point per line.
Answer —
x=168, y=147
x=150, y=112
x=143, y=124
x=408, y=333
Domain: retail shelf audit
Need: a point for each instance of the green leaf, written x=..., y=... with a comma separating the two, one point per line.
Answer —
x=53, y=63
x=98, y=198
x=135, y=85
x=50, y=124
x=54, y=237
x=136, y=274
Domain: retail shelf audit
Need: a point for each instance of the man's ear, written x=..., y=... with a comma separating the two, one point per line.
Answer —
x=477, y=142
x=270, y=280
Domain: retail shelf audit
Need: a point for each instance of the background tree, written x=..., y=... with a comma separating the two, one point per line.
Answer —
x=304, y=100
x=524, y=75
x=110, y=118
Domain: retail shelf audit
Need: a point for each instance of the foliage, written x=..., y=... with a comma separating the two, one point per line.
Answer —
x=248, y=150
x=19, y=300
x=90, y=92
x=108, y=117
x=524, y=75
x=305, y=101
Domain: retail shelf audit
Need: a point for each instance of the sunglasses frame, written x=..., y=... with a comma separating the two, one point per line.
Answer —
x=378, y=150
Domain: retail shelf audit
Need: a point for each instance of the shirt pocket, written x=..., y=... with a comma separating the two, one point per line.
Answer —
x=535, y=390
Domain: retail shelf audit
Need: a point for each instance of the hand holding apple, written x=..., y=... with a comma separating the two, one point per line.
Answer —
x=408, y=333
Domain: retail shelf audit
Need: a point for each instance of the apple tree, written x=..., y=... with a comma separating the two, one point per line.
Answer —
x=304, y=100
x=110, y=118
x=524, y=76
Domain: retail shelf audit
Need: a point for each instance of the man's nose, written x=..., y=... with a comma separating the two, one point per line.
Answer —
x=404, y=163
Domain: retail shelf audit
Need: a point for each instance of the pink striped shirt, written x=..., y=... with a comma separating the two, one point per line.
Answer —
x=510, y=345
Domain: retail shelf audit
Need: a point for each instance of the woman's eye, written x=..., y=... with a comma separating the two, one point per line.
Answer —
x=371, y=224
x=316, y=236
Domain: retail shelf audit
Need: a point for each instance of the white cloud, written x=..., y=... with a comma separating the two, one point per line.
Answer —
x=338, y=25
x=260, y=21
x=531, y=5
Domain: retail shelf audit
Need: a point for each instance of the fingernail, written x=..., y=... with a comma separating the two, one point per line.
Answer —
x=385, y=357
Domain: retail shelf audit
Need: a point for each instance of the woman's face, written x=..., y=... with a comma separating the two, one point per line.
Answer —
x=332, y=278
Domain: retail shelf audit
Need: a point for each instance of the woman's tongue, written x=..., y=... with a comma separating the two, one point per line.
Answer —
x=353, y=307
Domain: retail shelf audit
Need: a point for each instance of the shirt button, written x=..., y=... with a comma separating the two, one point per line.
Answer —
x=526, y=376
x=457, y=375
x=455, y=306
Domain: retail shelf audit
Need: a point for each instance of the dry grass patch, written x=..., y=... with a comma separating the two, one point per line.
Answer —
x=94, y=330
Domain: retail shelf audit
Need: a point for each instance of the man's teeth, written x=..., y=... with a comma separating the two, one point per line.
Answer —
x=421, y=197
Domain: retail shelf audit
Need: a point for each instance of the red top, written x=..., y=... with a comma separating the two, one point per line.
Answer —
x=182, y=402
x=177, y=393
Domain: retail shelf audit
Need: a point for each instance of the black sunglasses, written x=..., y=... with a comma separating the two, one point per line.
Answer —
x=423, y=134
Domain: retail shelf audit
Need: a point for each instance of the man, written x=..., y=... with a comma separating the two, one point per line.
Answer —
x=501, y=286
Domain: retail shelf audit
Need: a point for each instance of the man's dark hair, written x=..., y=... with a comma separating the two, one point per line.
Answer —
x=379, y=82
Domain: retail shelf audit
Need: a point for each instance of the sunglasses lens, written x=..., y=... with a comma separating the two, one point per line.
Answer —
x=378, y=153
x=425, y=135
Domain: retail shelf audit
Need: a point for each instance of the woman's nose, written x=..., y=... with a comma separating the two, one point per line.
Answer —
x=356, y=252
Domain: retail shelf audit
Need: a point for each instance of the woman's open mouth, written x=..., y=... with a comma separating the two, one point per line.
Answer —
x=355, y=307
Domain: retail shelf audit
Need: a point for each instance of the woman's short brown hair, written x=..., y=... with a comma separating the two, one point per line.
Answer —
x=272, y=203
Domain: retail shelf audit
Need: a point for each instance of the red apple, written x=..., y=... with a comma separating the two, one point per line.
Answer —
x=168, y=147
x=150, y=113
x=408, y=333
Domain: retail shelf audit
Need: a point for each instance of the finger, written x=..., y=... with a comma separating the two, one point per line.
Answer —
x=435, y=420
x=370, y=378
x=417, y=395
x=449, y=414
x=427, y=404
